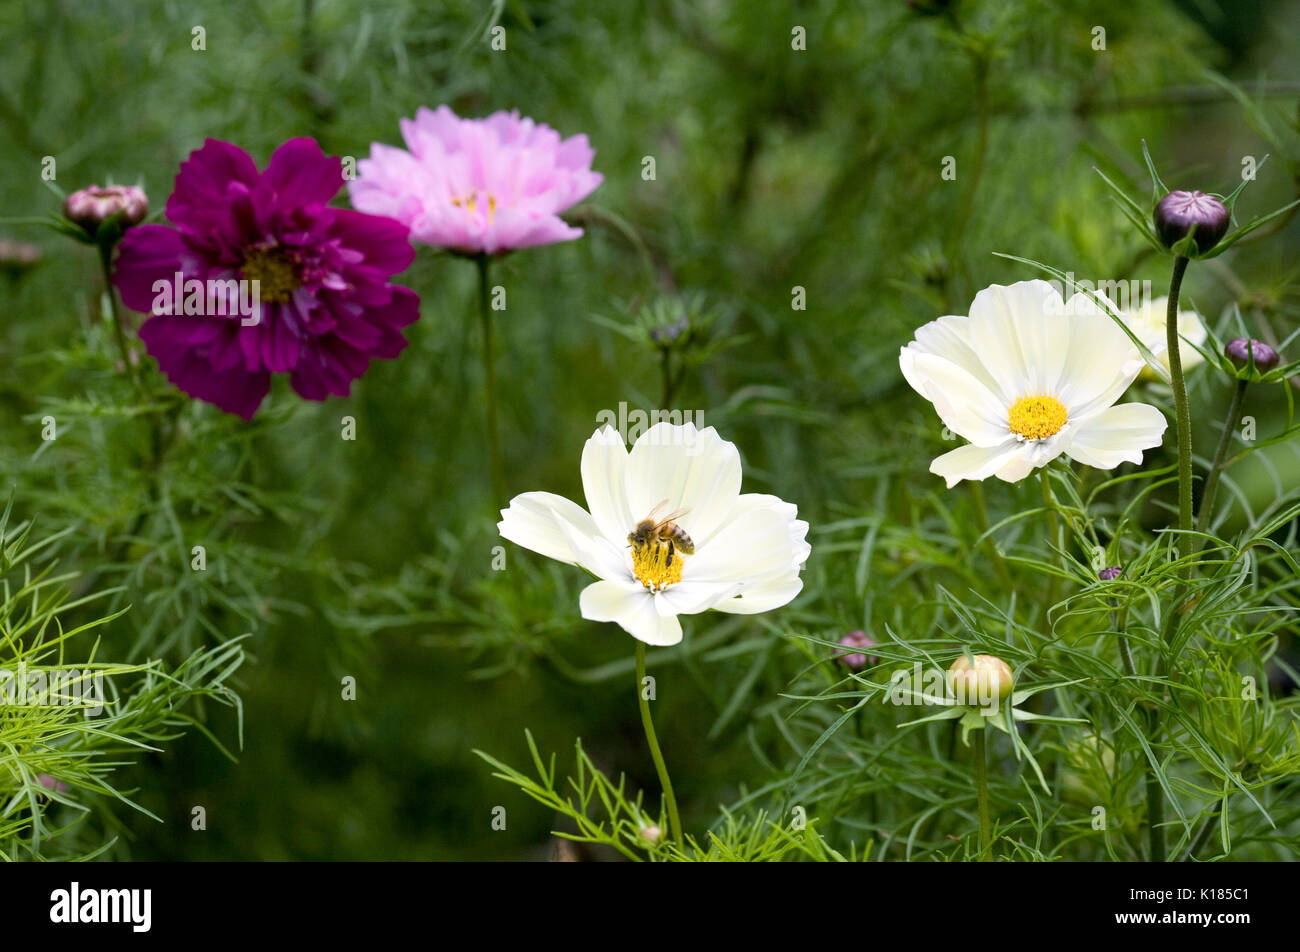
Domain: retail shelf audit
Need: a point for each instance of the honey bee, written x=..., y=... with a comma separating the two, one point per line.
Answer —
x=654, y=531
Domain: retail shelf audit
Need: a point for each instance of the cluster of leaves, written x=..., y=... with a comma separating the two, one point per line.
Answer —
x=64, y=740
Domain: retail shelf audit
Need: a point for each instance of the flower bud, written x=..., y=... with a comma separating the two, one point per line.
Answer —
x=50, y=783
x=1178, y=211
x=983, y=684
x=18, y=256
x=651, y=834
x=1239, y=352
x=1109, y=574
x=856, y=660
x=668, y=333
x=91, y=207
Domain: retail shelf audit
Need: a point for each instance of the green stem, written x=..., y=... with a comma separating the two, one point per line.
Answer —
x=1049, y=503
x=1156, y=818
x=490, y=381
x=106, y=264
x=674, y=822
x=982, y=515
x=1184, y=417
x=1216, y=468
x=669, y=385
x=1125, y=649
x=1199, y=840
x=1155, y=796
x=982, y=793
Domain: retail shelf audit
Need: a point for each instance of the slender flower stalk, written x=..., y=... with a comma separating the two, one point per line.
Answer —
x=1184, y=419
x=1155, y=796
x=982, y=794
x=647, y=722
x=495, y=464
x=128, y=366
x=103, y=215
x=982, y=515
x=1117, y=622
x=669, y=385
x=1155, y=815
x=1220, y=453
x=1049, y=503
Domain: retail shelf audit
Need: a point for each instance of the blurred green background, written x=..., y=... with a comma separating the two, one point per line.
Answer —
x=776, y=168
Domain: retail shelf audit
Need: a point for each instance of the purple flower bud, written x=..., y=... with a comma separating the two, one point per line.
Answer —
x=50, y=783
x=1178, y=211
x=663, y=336
x=1110, y=574
x=91, y=207
x=857, y=660
x=1239, y=351
x=18, y=256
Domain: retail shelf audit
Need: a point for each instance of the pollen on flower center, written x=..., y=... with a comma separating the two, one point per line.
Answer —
x=470, y=204
x=657, y=565
x=279, y=276
x=1037, y=417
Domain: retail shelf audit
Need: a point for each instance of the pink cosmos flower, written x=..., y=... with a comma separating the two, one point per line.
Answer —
x=324, y=307
x=477, y=186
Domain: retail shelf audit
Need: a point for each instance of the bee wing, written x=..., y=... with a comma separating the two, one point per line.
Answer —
x=676, y=514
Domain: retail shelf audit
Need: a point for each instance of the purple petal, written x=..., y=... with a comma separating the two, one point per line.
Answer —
x=234, y=390
x=299, y=175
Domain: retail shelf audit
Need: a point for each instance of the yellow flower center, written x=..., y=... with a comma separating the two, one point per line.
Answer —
x=277, y=275
x=1037, y=418
x=657, y=565
x=470, y=204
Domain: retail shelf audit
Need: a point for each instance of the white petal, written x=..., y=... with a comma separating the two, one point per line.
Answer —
x=695, y=470
x=560, y=529
x=633, y=608
x=747, y=502
x=545, y=523
x=947, y=337
x=1102, y=360
x=1117, y=435
x=974, y=462
x=755, y=546
x=1033, y=454
x=965, y=405
x=762, y=598
x=693, y=597
x=1148, y=323
x=1018, y=330
x=604, y=483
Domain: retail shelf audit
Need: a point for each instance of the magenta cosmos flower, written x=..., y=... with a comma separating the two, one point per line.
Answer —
x=324, y=307
x=477, y=186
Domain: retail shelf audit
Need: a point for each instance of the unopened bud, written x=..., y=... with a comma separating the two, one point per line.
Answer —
x=50, y=783
x=857, y=659
x=981, y=684
x=91, y=207
x=668, y=333
x=1239, y=351
x=1179, y=211
x=18, y=256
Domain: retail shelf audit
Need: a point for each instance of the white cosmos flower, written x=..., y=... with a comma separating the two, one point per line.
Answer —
x=749, y=547
x=1027, y=377
x=1148, y=323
